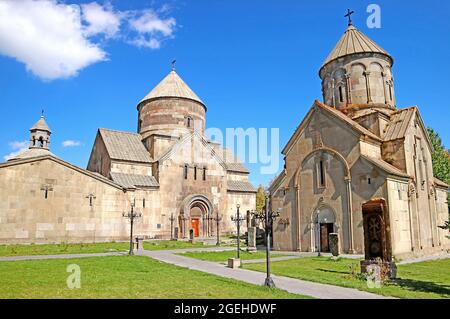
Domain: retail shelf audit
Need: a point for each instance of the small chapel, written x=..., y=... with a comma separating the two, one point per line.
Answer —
x=357, y=155
x=180, y=183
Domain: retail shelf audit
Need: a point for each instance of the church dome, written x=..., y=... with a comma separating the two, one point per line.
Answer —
x=171, y=109
x=172, y=86
x=352, y=42
x=357, y=74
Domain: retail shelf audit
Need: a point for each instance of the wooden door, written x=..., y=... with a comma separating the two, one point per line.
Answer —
x=195, y=225
x=325, y=230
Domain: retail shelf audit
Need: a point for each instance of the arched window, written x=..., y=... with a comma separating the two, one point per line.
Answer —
x=41, y=142
x=189, y=122
x=341, y=94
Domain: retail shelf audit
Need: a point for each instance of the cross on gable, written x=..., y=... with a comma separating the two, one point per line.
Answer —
x=46, y=189
x=91, y=199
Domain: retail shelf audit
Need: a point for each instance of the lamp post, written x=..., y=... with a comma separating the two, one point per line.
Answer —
x=132, y=215
x=267, y=216
x=238, y=219
x=172, y=219
x=218, y=218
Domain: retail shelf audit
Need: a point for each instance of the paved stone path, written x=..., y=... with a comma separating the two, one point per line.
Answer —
x=291, y=285
x=60, y=256
x=420, y=259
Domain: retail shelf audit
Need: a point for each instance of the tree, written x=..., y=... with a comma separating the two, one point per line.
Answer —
x=260, y=198
x=441, y=164
x=440, y=156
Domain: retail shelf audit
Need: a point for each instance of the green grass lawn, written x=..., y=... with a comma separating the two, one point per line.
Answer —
x=222, y=256
x=430, y=279
x=52, y=249
x=122, y=277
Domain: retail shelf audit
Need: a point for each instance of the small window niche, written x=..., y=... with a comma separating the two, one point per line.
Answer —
x=321, y=173
x=185, y=171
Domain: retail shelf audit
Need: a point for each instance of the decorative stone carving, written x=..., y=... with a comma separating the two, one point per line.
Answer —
x=377, y=240
x=411, y=189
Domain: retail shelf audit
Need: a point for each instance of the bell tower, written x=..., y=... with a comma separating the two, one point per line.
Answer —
x=40, y=135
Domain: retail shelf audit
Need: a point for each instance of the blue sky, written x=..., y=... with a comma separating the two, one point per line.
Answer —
x=254, y=63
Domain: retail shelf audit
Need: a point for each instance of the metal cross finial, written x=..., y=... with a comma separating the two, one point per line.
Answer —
x=173, y=64
x=42, y=112
x=349, y=16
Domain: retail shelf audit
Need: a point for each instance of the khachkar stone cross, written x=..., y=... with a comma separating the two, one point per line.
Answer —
x=349, y=16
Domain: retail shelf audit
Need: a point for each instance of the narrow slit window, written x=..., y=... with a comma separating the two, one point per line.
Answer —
x=204, y=173
x=195, y=173
x=369, y=180
x=321, y=174
x=185, y=171
x=341, y=94
x=143, y=203
x=189, y=122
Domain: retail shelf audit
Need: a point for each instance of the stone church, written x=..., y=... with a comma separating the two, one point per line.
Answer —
x=169, y=171
x=358, y=153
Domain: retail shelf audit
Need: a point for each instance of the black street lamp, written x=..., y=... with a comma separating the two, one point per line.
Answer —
x=172, y=219
x=267, y=216
x=218, y=218
x=238, y=219
x=132, y=215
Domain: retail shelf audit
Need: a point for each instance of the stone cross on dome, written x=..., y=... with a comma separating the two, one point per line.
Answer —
x=349, y=16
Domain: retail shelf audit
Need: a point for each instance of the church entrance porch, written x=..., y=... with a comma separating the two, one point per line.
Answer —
x=323, y=224
x=196, y=216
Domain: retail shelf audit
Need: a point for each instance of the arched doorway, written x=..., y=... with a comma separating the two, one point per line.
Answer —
x=195, y=214
x=323, y=224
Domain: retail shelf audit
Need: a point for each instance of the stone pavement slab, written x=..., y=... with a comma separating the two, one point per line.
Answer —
x=295, y=286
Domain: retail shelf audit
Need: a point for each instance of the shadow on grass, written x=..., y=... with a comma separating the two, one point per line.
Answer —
x=423, y=286
x=334, y=271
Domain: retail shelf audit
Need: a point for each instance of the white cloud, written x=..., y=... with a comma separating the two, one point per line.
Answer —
x=101, y=19
x=17, y=147
x=71, y=143
x=151, y=29
x=56, y=40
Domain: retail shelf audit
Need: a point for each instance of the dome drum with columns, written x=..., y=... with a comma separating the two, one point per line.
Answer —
x=357, y=74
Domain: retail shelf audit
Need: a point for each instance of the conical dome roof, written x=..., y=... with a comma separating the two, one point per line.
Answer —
x=354, y=41
x=41, y=125
x=172, y=86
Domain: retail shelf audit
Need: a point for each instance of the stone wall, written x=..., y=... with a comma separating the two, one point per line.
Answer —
x=66, y=215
